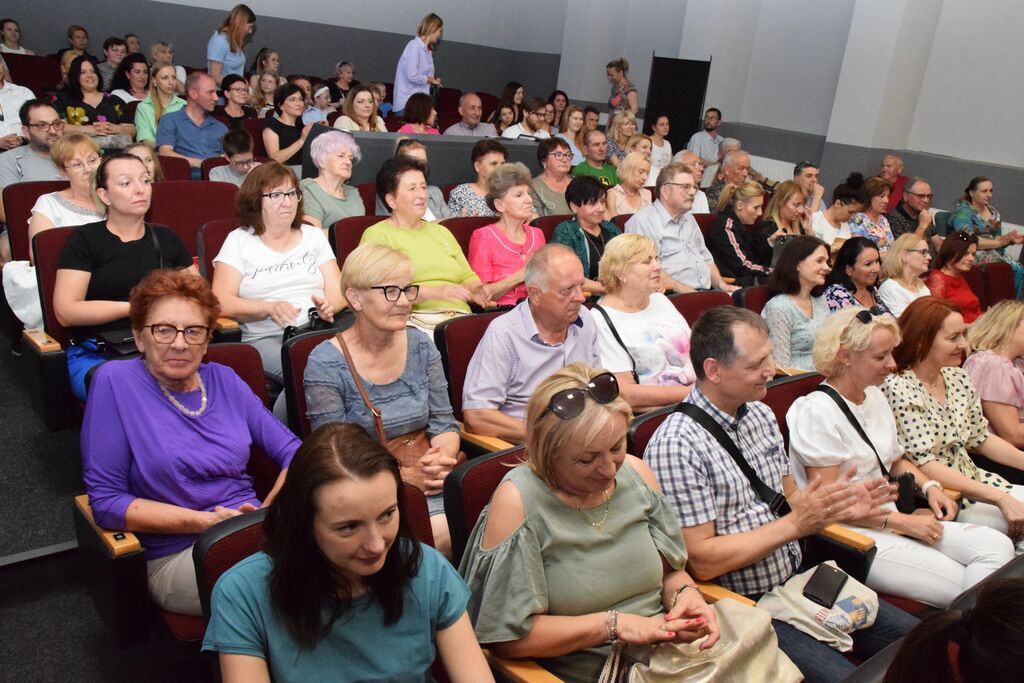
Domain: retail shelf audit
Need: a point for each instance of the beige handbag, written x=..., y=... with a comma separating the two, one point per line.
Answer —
x=747, y=651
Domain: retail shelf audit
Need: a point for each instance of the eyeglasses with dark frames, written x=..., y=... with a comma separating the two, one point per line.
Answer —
x=166, y=334
x=392, y=292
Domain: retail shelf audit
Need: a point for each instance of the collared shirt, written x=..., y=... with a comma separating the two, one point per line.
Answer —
x=11, y=98
x=682, y=251
x=514, y=132
x=313, y=115
x=180, y=132
x=415, y=66
x=480, y=130
x=22, y=164
x=901, y=222
x=703, y=483
x=700, y=203
x=512, y=360
x=705, y=146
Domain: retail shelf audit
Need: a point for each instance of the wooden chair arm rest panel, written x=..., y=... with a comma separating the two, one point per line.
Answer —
x=116, y=542
x=848, y=537
x=712, y=593
x=481, y=442
x=520, y=670
x=40, y=341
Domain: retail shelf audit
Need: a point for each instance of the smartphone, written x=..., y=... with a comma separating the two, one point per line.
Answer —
x=825, y=584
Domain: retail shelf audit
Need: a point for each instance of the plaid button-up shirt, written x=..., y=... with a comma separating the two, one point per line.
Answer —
x=703, y=483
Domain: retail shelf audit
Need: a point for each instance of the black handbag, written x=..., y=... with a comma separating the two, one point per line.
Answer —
x=342, y=320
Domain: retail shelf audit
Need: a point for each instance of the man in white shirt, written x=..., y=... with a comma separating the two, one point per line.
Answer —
x=692, y=161
x=11, y=98
x=471, y=109
x=705, y=142
x=533, y=119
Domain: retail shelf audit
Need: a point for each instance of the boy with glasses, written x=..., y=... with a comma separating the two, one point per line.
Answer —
x=238, y=149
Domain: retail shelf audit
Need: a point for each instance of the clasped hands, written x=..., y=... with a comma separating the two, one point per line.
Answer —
x=689, y=619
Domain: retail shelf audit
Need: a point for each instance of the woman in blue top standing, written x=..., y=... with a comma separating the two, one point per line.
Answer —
x=415, y=72
x=224, y=51
x=342, y=591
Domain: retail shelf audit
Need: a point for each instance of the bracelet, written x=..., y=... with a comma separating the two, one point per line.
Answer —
x=885, y=520
x=611, y=626
x=675, y=596
x=927, y=485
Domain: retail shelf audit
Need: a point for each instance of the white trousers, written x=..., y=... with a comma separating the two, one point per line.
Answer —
x=989, y=515
x=936, y=574
x=173, y=585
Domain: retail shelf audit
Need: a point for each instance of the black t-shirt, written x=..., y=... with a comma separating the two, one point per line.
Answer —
x=117, y=266
x=287, y=136
x=235, y=122
x=337, y=94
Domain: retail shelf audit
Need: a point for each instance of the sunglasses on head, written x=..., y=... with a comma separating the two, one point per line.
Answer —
x=569, y=403
x=865, y=315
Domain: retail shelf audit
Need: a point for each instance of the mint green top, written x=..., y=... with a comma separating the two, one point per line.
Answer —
x=558, y=563
x=436, y=256
x=145, y=123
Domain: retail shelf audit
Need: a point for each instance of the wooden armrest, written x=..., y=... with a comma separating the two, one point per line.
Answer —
x=489, y=444
x=224, y=324
x=117, y=542
x=40, y=341
x=521, y=670
x=789, y=372
x=712, y=592
x=728, y=280
x=954, y=495
x=848, y=537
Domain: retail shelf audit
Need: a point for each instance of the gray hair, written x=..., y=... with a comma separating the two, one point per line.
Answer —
x=896, y=157
x=467, y=95
x=536, y=274
x=714, y=335
x=914, y=181
x=729, y=142
x=503, y=178
x=330, y=142
x=733, y=157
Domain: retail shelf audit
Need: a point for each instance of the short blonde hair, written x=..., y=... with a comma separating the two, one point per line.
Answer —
x=613, y=126
x=841, y=331
x=996, y=325
x=630, y=163
x=620, y=252
x=549, y=437
x=636, y=140
x=892, y=260
x=64, y=149
x=371, y=264
x=428, y=25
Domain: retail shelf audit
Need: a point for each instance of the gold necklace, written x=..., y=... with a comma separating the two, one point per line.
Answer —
x=599, y=525
x=177, y=404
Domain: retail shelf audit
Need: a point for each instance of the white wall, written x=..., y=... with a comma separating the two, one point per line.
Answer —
x=528, y=25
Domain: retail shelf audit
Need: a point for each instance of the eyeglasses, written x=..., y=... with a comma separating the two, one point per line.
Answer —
x=239, y=89
x=561, y=155
x=280, y=196
x=392, y=292
x=685, y=186
x=569, y=403
x=245, y=163
x=90, y=162
x=921, y=195
x=922, y=252
x=43, y=126
x=166, y=334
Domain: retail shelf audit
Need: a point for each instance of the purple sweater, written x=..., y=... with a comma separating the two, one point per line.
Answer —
x=135, y=444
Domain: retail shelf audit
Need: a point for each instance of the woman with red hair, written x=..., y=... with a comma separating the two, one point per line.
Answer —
x=940, y=421
x=956, y=258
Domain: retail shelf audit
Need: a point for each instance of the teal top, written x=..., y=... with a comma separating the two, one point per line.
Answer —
x=145, y=121
x=571, y=235
x=559, y=563
x=359, y=647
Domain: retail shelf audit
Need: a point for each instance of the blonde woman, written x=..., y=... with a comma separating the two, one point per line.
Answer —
x=224, y=50
x=263, y=99
x=415, y=71
x=903, y=269
x=359, y=112
x=620, y=130
x=266, y=60
x=847, y=423
x=624, y=96
x=641, y=336
x=571, y=130
x=162, y=99
x=997, y=368
x=785, y=217
x=640, y=143
x=630, y=195
x=149, y=158
x=729, y=239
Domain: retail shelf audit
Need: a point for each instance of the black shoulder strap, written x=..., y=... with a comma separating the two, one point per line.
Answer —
x=834, y=395
x=775, y=500
x=615, y=333
x=156, y=243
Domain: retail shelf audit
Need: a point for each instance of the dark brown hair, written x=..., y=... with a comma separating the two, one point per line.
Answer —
x=919, y=325
x=549, y=145
x=485, y=147
x=973, y=185
x=418, y=108
x=784, y=278
x=302, y=578
x=249, y=200
x=955, y=247
x=178, y=283
x=391, y=172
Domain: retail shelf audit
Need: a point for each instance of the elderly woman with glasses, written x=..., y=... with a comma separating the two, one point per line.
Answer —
x=536, y=561
x=328, y=197
x=398, y=367
x=848, y=423
x=166, y=437
x=274, y=268
x=548, y=191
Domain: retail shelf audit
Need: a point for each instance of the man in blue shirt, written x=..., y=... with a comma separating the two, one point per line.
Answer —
x=190, y=132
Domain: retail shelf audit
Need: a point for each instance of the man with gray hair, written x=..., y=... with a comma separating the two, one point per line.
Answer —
x=735, y=170
x=892, y=172
x=696, y=167
x=711, y=171
x=913, y=213
x=471, y=109
x=544, y=333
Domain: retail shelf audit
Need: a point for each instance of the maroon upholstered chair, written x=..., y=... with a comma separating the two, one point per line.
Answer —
x=752, y=298
x=294, y=357
x=186, y=205
x=19, y=198
x=344, y=235
x=175, y=168
x=692, y=304
x=209, y=241
x=462, y=228
x=457, y=339
x=547, y=224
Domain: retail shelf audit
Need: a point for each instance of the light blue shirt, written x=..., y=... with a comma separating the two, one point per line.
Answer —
x=218, y=49
x=684, y=256
x=180, y=132
x=705, y=146
x=577, y=155
x=415, y=66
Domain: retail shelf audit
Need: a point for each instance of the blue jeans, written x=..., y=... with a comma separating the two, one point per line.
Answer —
x=821, y=664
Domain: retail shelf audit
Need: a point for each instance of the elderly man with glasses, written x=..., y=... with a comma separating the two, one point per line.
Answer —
x=913, y=212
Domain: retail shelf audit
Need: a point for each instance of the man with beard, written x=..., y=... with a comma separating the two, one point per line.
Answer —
x=705, y=142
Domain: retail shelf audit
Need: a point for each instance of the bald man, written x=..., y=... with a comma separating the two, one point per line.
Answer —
x=471, y=109
x=892, y=171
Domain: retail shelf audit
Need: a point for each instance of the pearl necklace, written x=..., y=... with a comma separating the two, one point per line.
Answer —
x=177, y=404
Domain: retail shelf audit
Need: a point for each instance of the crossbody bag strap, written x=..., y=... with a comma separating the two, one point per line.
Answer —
x=834, y=395
x=156, y=243
x=615, y=333
x=374, y=410
x=775, y=500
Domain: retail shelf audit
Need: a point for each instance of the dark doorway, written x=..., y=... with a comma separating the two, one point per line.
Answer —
x=677, y=88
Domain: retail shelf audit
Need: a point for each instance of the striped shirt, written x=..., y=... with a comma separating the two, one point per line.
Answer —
x=703, y=484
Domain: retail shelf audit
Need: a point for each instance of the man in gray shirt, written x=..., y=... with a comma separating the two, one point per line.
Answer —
x=520, y=349
x=686, y=262
x=471, y=109
x=42, y=127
